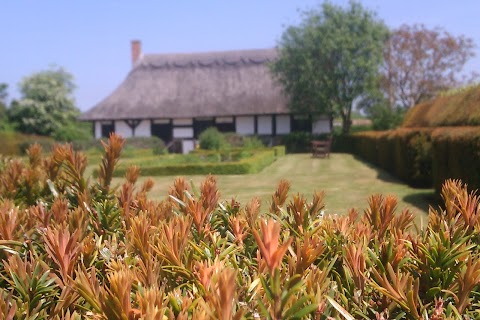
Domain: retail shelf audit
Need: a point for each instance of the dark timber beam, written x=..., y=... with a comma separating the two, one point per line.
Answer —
x=274, y=125
x=133, y=124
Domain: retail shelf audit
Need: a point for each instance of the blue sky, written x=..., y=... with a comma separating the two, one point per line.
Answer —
x=91, y=38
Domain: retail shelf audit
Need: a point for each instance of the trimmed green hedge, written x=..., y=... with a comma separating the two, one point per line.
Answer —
x=280, y=151
x=232, y=154
x=300, y=142
x=255, y=163
x=424, y=157
x=15, y=144
x=405, y=153
x=456, y=154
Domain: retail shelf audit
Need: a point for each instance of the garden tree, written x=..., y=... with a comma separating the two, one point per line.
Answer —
x=3, y=93
x=3, y=105
x=47, y=106
x=376, y=106
x=330, y=59
x=420, y=62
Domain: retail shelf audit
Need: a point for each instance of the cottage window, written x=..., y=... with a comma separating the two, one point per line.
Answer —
x=162, y=129
x=107, y=128
x=301, y=123
x=202, y=124
x=225, y=124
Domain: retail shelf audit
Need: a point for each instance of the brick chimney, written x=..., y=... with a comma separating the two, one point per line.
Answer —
x=136, y=51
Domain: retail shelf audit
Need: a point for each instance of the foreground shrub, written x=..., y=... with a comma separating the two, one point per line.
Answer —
x=71, y=249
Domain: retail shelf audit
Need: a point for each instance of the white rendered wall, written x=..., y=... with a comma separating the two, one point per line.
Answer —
x=283, y=124
x=183, y=132
x=143, y=129
x=123, y=129
x=98, y=129
x=187, y=146
x=245, y=125
x=321, y=126
x=264, y=125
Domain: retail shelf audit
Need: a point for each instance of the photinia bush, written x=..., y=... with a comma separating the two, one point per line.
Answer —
x=71, y=248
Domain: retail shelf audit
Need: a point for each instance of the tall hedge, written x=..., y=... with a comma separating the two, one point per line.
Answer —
x=405, y=153
x=455, y=109
x=456, y=154
x=424, y=157
x=434, y=144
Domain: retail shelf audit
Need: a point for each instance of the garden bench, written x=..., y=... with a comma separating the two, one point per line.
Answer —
x=321, y=148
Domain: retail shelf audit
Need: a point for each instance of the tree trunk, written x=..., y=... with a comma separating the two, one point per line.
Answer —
x=346, y=124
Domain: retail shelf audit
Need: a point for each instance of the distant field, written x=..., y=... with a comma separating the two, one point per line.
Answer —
x=347, y=183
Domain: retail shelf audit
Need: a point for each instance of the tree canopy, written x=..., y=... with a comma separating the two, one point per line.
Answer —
x=420, y=62
x=3, y=99
x=47, y=105
x=330, y=59
x=3, y=106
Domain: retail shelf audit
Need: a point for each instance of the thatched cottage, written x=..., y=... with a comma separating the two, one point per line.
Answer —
x=177, y=96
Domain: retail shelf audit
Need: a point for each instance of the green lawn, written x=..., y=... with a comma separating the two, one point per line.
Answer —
x=347, y=183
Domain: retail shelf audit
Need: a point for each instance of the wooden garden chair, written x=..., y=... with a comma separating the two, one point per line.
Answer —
x=321, y=148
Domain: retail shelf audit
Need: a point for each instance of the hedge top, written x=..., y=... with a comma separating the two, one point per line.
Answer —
x=458, y=109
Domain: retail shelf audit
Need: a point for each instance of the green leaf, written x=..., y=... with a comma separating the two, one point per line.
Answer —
x=264, y=310
x=305, y=311
x=266, y=287
x=296, y=306
x=340, y=309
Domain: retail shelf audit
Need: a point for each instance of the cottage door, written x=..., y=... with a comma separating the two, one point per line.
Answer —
x=163, y=130
x=200, y=125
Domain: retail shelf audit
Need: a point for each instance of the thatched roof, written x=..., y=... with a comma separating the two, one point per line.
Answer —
x=195, y=85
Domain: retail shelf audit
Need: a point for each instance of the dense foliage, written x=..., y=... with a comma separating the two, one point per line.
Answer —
x=419, y=63
x=212, y=139
x=47, y=107
x=3, y=106
x=455, y=108
x=422, y=157
x=301, y=142
x=331, y=59
x=377, y=108
x=74, y=249
x=439, y=140
x=455, y=154
x=404, y=153
x=16, y=144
